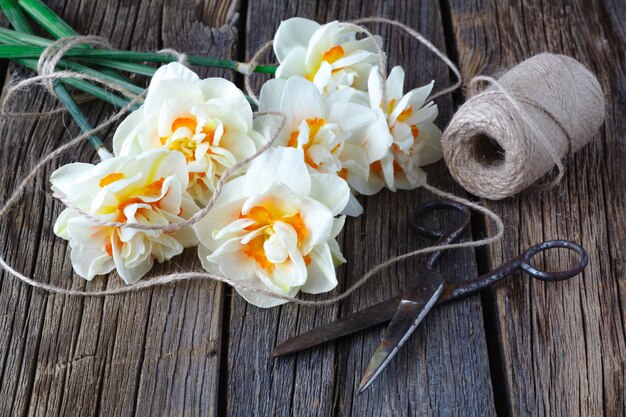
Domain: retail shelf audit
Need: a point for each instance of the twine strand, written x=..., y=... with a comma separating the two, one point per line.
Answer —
x=420, y=38
x=181, y=57
x=246, y=69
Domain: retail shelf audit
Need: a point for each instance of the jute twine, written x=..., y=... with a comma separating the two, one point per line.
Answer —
x=48, y=74
x=506, y=138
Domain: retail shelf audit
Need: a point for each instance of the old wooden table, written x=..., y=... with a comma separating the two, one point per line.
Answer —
x=524, y=348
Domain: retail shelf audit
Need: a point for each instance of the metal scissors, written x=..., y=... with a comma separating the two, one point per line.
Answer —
x=405, y=312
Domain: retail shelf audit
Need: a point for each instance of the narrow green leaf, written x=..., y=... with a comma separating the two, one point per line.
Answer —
x=49, y=20
x=24, y=37
x=78, y=116
x=56, y=26
x=18, y=20
x=15, y=15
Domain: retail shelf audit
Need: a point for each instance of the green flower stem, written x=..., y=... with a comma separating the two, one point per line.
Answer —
x=56, y=26
x=76, y=67
x=80, y=119
x=18, y=20
x=16, y=16
x=12, y=37
x=84, y=86
x=49, y=20
x=100, y=55
x=127, y=66
x=20, y=36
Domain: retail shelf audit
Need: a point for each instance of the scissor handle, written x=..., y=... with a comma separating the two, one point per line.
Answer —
x=554, y=276
x=428, y=206
x=460, y=289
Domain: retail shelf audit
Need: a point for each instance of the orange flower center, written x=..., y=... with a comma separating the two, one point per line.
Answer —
x=111, y=178
x=185, y=145
x=264, y=218
x=333, y=54
x=330, y=56
x=377, y=167
x=152, y=189
x=315, y=125
x=405, y=114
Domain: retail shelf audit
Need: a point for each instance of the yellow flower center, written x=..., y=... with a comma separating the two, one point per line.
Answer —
x=315, y=125
x=330, y=56
x=265, y=217
x=152, y=189
x=333, y=54
x=111, y=178
x=405, y=114
x=186, y=145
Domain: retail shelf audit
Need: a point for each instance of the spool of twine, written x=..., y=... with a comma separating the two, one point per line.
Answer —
x=507, y=137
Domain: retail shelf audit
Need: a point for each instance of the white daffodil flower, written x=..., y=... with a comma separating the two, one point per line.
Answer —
x=148, y=189
x=333, y=134
x=328, y=55
x=208, y=121
x=415, y=138
x=274, y=228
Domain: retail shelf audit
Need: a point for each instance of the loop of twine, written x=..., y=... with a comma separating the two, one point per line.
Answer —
x=47, y=76
x=181, y=57
x=51, y=56
x=176, y=277
x=248, y=68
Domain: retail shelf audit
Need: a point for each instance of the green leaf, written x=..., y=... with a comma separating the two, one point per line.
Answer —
x=49, y=20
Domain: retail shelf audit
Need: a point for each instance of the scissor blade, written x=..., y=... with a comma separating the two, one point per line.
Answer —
x=352, y=323
x=415, y=304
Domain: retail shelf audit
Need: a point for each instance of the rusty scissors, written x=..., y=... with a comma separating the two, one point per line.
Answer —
x=405, y=312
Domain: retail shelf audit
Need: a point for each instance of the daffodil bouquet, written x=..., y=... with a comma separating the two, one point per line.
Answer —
x=273, y=226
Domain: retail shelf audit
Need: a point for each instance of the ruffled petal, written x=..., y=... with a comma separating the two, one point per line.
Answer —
x=321, y=276
x=293, y=33
x=89, y=262
x=288, y=168
x=331, y=191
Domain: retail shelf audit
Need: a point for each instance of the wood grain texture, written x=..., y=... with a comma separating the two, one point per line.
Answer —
x=444, y=368
x=150, y=353
x=554, y=349
x=562, y=345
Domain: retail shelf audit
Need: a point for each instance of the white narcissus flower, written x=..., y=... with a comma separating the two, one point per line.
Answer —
x=415, y=138
x=328, y=55
x=148, y=189
x=208, y=121
x=274, y=229
x=333, y=134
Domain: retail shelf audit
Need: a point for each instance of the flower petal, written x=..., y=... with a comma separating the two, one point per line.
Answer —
x=172, y=71
x=89, y=262
x=287, y=167
x=395, y=83
x=331, y=191
x=301, y=100
x=353, y=208
x=271, y=95
x=321, y=276
x=130, y=274
x=293, y=64
x=293, y=33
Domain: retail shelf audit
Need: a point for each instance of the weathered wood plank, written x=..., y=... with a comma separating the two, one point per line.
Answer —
x=151, y=353
x=562, y=344
x=444, y=368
